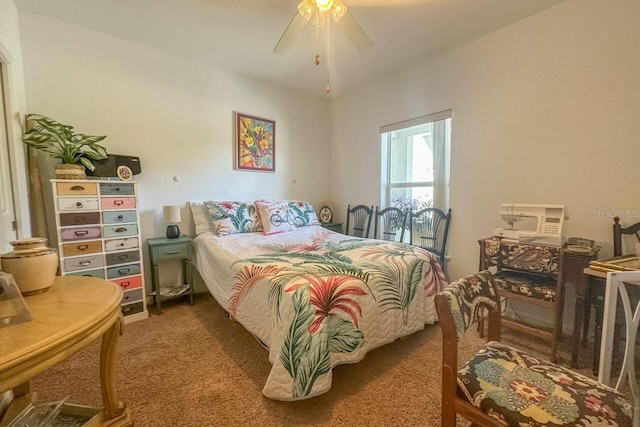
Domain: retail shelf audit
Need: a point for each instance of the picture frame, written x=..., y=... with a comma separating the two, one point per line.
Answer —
x=325, y=215
x=255, y=143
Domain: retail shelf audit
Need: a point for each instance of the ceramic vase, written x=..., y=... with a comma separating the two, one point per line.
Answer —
x=32, y=264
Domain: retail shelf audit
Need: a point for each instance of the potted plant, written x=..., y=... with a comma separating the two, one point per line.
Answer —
x=75, y=150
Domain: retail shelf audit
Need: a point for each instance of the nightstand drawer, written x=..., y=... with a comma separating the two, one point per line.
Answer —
x=80, y=233
x=117, y=244
x=119, y=217
x=79, y=218
x=123, y=257
x=178, y=250
x=83, y=263
x=131, y=296
x=116, y=189
x=129, y=283
x=70, y=249
x=120, y=230
x=122, y=271
x=78, y=204
x=73, y=188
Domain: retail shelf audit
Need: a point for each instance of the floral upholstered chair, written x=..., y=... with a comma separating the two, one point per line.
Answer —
x=501, y=385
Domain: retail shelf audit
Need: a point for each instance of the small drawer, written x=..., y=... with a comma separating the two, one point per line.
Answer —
x=119, y=217
x=122, y=257
x=131, y=296
x=134, y=308
x=70, y=249
x=99, y=273
x=129, y=283
x=76, y=188
x=79, y=218
x=122, y=271
x=178, y=250
x=120, y=230
x=77, y=203
x=118, y=202
x=80, y=233
x=121, y=244
x=83, y=263
x=116, y=189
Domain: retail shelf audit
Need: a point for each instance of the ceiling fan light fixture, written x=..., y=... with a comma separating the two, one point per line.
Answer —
x=338, y=10
x=324, y=5
x=307, y=8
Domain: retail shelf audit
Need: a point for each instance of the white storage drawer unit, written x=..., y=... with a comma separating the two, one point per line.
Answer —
x=98, y=230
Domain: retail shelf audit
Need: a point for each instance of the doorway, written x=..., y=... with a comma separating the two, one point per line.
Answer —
x=8, y=232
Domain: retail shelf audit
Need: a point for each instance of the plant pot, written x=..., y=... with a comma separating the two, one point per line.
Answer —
x=70, y=171
x=32, y=264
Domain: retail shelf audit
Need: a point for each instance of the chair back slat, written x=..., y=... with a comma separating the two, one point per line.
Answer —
x=359, y=220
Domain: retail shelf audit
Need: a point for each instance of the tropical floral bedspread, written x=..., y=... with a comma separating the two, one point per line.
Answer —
x=317, y=299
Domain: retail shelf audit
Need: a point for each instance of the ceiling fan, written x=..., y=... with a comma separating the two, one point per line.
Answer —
x=320, y=13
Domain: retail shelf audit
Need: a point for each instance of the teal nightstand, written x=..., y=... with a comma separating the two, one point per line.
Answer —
x=162, y=249
x=333, y=226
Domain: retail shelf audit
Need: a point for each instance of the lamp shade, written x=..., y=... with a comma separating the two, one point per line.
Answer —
x=171, y=214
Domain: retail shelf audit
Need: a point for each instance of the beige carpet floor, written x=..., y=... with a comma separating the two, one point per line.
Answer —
x=191, y=366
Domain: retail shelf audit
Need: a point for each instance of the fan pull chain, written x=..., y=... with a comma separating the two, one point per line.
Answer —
x=317, y=59
x=328, y=88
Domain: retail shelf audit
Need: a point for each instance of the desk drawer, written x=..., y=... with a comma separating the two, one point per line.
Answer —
x=120, y=230
x=122, y=271
x=116, y=189
x=123, y=257
x=119, y=217
x=178, y=250
x=118, y=202
x=80, y=233
x=129, y=283
x=79, y=218
x=118, y=244
x=84, y=263
x=70, y=249
x=131, y=296
x=76, y=188
x=78, y=204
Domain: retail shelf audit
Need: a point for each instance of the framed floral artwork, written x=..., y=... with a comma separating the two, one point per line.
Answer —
x=255, y=143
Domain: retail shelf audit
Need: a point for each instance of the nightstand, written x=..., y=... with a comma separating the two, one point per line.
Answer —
x=333, y=226
x=162, y=249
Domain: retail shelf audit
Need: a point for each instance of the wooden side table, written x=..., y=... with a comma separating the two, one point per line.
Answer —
x=162, y=249
x=71, y=315
x=333, y=226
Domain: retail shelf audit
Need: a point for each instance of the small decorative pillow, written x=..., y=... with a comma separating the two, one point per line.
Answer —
x=275, y=216
x=303, y=213
x=233, y=217
x=200, y=217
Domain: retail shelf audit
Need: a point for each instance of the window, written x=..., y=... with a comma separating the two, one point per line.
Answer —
x=415, y=162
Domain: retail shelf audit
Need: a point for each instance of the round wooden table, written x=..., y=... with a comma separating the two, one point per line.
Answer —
x=71, y=315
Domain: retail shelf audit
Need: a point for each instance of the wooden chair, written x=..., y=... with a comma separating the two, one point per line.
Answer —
x=530, y=274
x=390, y=224
x=359, y=220
x=500, y=384
x=429, y=229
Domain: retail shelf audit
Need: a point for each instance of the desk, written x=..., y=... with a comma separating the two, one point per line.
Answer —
x=573, y=272
x=71, y=315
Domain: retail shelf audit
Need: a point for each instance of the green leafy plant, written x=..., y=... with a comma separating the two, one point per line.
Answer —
x=60, y=142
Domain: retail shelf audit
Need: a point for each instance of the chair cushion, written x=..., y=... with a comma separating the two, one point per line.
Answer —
x=522, y=390
x=531, y=285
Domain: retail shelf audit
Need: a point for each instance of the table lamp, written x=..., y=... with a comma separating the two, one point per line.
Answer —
x=172, y=217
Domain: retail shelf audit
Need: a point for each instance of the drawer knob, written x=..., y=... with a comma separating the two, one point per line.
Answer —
x=124, y=270
x=84, y=263
x=78, y=204
x=118, y=202
x=77, y=188
x=81, y=233
x=125, y=285
x=120, y=230
x=83, y=247
x=123, y=257
x=119, y=218
x=173, y=252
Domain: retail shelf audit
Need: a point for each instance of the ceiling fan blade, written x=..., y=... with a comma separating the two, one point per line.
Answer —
x=291, y=34
x=355, y=33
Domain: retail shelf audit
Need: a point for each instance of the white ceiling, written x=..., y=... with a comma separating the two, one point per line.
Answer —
x=240, y=35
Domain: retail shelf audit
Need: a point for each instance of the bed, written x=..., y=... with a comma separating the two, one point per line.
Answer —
x=314, y=298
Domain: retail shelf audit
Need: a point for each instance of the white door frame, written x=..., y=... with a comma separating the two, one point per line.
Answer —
x=14, y=119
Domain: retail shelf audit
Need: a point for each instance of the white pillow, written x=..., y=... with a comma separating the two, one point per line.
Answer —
x=200, y=217
x=274, y=216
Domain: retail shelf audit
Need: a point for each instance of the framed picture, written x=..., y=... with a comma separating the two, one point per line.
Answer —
x=255, y=143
